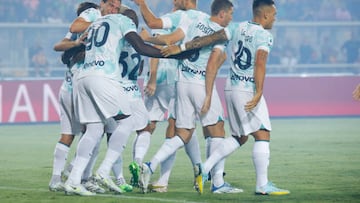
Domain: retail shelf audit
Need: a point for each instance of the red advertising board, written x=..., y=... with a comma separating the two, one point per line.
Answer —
x=32, y=101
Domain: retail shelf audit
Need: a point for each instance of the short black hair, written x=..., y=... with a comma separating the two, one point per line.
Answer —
x=86, y=5
x=257, y=4
x=132, y=15
x=218, y=5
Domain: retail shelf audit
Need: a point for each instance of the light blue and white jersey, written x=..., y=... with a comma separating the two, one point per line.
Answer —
x=195, y=25
x=245, y=39
x=167, y=68
x=67, y=83
x=104, y=45
x=172, y=20
x=130, y=64
x=90, y=15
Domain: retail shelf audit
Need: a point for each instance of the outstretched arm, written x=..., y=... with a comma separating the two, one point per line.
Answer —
x=150, y=19
x=166, y=39
x=217, y=37
x=79, y=25
x=141, y=47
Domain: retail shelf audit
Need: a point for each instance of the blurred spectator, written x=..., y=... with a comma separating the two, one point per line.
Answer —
x=342, y=13
x=39, y=61
x=328, y=52
x=289, y=58
x=307, y=53
x=351, y=48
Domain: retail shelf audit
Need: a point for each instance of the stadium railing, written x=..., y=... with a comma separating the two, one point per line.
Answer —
x=325, y=38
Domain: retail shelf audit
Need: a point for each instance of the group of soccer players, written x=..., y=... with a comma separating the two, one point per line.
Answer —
x=100, y=92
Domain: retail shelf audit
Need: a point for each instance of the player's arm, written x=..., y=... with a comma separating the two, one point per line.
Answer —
x=150, y=19
x=217, y=37
x=66, y=44
x=166, y=39
x=79, y=25
x=259, y=77
x=151, y=85
x=216, y=59
x=356, y=92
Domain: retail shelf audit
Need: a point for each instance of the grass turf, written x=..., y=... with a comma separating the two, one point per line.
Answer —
x=317, y=159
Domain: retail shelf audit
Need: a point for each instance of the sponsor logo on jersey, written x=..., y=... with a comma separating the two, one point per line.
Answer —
x=94, y=63
x=195, y=72
x=131, y=88
x=242, y=78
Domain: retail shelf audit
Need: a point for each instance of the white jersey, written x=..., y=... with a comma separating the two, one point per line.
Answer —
x=172, y=20
x=104, y=46
x=245, y=38
x=167, y=68
x=67, y=83
x=197, y=24
x=90, y=15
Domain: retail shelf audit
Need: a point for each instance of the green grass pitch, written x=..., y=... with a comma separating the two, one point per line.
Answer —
x=317, y=159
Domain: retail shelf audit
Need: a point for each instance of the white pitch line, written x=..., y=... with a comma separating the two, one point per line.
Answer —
x=103, y=195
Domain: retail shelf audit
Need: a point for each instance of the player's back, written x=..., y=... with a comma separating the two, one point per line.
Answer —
x=104, y=45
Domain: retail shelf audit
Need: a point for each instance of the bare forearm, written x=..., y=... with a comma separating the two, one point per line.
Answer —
x=260, y=71
x=150, y=19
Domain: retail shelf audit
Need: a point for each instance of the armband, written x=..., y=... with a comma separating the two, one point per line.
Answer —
x=182, y=47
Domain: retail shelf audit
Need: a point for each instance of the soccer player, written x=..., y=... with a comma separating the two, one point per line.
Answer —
x=195, y=96
x=247, y=109
x=69, y=125
x=100, y=97
x=160, y=99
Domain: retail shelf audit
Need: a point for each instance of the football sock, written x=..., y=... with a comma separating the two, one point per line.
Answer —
x=261, y=157
x=141, y=146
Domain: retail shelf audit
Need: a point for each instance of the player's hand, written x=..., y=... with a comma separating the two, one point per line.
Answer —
x=170, y=50
x=250, y=105
x=150, y=89
x=356, y=92
x=82, y=39
x=206, y=105
x=144, y=34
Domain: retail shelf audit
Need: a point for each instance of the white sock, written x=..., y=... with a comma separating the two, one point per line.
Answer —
x=141, y=146
x=165, y=169
x=117, y=168
x=90, y=166
x=84, y=151
x=261, y=159
x=60, y=156
x=166, y=149
x=217, y=171
x=228, y=146
x=192, y=149
x=116, y=145
x=110, y=158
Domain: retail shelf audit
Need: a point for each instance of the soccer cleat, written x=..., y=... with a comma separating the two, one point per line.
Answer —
x=56, y=187
x=225, y=188
x=121, y=183
x=200, y=178
x=107, y=182
x=135, y=172
x=270, y=189
x=92, y=186
x=145, y=177
x=157, y=188
x=77, y=190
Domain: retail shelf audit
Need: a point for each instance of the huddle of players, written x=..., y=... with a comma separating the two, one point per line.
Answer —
x=102, y=103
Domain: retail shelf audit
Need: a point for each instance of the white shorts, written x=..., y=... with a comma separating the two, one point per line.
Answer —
x=242, y=122
x=189, y=100
x=68, y=124
x=161, y=102
x=98, y=98
x=139, y=113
